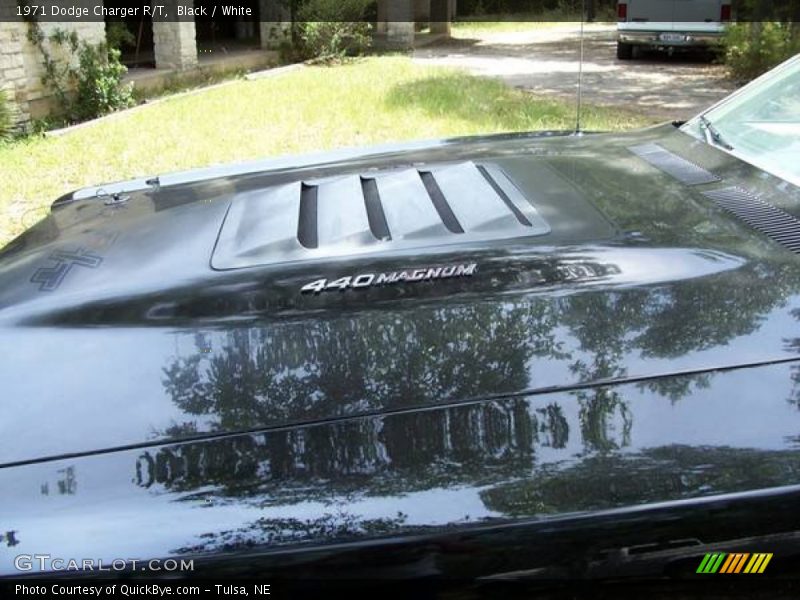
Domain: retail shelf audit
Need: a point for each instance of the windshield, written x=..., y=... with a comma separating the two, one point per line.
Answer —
x=760, y=124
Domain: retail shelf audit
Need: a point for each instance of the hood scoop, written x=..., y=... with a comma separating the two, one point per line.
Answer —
x=375, y=212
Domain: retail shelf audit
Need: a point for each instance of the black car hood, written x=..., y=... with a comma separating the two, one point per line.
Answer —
x=127, y=321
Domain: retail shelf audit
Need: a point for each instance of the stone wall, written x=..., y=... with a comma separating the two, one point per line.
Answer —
x=399, y=16
x=276, y=25
x=38, y=95
x=21, y=68
x=13, y=80
x=175, y=42
x=175, y=45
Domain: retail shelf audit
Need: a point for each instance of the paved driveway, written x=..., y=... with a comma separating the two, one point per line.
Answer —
x=545, y=60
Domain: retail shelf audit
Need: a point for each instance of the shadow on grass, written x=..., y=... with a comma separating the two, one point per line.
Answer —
x=485, y=103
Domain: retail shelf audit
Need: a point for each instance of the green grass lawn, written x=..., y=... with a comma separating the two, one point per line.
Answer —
x=517, y=23
x=478, y=28
x=369, y=101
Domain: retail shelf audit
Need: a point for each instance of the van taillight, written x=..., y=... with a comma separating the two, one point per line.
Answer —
x=725, y=13
x=622, y=11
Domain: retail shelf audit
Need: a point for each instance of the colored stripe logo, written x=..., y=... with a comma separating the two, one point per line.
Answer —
x=735, y=562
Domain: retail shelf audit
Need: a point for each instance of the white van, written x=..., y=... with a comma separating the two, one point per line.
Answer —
x=670, y=24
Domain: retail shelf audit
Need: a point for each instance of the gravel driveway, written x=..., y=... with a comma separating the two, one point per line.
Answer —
x=545, y=61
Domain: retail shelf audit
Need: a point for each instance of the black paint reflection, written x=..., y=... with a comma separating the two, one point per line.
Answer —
x=66, y=485
x=336, y=525
x=655, y=474
x=367, y=363
x=793, y=344
x=345, y=366
x=493, y=449
x=9, y=538
x=473, y=443
x=250, y=377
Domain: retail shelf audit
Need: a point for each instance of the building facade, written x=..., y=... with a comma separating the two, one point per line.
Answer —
x=180, y=46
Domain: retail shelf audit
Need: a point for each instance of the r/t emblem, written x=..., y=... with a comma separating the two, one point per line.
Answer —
x=49, y=278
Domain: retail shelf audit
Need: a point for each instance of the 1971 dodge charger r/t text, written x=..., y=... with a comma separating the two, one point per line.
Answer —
x=531, y=356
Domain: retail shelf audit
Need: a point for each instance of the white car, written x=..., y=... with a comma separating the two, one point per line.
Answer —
x=670, y=25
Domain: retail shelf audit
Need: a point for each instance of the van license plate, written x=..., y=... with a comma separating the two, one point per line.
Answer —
x=672, y=37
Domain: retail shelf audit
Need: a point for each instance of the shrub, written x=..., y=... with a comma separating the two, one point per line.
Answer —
x=753, y=48
x=556, y=10
x=331, y=30
x=99, y=82
x=5, y=116
x=91, y=88
x=119, y=36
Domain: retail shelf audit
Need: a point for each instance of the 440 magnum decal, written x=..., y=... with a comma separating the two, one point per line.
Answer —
x=365, y=280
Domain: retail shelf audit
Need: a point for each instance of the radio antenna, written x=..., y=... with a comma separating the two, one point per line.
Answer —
x=580, y=72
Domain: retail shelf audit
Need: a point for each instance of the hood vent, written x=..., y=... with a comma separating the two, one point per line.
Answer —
x=681, y=169
x=374, y=212
x=770, y=220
